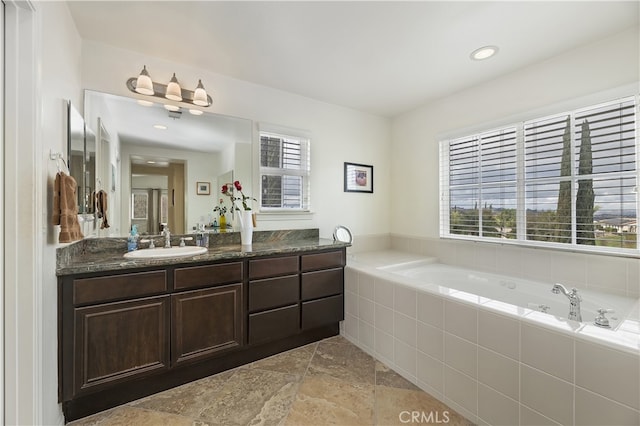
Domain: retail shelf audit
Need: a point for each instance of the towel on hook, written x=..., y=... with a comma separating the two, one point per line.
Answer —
x=65, y=208
x=101, y=208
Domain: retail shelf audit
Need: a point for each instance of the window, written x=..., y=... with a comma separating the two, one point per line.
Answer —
x=564, y=180
x=284, y=172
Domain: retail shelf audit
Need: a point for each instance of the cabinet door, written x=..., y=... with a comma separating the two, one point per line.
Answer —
x=206, y=322
x=118, y=341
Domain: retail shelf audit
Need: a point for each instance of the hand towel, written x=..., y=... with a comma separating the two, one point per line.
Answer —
x=101, y=208
x=65, y=208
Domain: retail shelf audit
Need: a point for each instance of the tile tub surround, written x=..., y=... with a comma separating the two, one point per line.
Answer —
x=487, y=362
x=327, y=382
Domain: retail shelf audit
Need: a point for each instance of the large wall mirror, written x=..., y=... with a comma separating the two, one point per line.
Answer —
x=159, y=167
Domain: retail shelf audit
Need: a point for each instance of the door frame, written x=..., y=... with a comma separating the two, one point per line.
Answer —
x=23, y=240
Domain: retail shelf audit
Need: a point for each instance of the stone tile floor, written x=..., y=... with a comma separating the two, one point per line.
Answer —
x=331, y=382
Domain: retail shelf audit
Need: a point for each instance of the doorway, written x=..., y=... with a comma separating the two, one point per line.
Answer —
x=157, y=198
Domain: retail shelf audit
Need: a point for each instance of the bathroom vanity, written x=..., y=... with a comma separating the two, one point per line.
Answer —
x=127, y=329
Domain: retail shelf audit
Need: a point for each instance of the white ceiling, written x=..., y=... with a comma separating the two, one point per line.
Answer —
x=380, y=57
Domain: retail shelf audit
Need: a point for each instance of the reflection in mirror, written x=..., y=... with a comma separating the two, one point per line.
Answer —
x=104, y=180
x=89, y=183
x=150, y=141
x=75, y=147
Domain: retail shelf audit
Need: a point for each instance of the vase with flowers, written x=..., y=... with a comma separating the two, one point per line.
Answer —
x=246, y=218
x=222, y=210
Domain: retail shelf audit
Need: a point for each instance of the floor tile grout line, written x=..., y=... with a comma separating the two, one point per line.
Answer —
x=302, y=377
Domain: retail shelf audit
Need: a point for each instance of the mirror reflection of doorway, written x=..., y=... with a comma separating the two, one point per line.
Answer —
x=157, y=198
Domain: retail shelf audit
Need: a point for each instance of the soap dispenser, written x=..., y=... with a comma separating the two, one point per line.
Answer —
x=132, y=241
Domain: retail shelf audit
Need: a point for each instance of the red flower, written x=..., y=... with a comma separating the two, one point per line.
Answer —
x=237, y=185
x=225, y=188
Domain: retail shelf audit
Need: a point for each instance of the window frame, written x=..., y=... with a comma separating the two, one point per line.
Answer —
x=522, y=181
x=303, y=172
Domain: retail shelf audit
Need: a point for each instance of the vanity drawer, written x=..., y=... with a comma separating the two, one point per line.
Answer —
x=274, y=266
x=208, y=275
x=329, y=259
x=322, y=283
x=273, y=292
x=274, y=324
x=322, y=312
x=125, y=286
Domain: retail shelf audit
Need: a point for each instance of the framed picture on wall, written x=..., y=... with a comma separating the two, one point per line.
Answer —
x=203, y=188
x=358, y=178
x=139, y=205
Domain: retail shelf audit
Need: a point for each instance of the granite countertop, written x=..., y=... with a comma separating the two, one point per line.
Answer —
x=106, y=254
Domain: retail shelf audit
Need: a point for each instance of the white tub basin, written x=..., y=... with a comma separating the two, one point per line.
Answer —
x=162, y=252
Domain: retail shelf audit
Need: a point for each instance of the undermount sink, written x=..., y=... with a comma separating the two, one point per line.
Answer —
x=162, y=252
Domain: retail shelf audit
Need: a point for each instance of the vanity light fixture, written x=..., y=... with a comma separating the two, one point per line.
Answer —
x=200, y=95
x=144, y=84
x=483, y=53
x=172, y=91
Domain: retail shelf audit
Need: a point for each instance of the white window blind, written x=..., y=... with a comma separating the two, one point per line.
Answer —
x=569, y=179
x=284, y=172
x=482, y=184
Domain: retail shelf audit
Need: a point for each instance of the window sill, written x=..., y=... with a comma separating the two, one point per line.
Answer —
x=628, y=253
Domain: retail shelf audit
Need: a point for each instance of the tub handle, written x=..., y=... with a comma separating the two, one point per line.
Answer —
x=601, y=320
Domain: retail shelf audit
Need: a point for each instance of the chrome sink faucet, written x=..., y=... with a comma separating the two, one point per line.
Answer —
x=167, y=237
x=574, y=300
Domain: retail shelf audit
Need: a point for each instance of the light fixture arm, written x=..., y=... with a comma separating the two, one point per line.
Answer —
x=159, y=91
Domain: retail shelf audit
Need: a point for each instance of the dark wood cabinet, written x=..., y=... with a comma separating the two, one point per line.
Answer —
x=208, y=275
x=206, y=322
x=274, y=324
x=317, y=313
x=322, y=283
x=125, y=335
x=118, y=341
x=273, y=292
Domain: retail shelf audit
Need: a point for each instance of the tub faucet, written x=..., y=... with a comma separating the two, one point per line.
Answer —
x=167, y=237
x=574, y=300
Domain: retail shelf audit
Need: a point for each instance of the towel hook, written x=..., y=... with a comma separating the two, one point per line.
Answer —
x=57, y=157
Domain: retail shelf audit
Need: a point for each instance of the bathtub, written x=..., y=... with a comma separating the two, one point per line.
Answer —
x=481, y=343
x=487, y=288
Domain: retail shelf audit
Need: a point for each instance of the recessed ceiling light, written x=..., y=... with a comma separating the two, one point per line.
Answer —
x=484, y=52
x=144, y=103
x=195, y=111
x=171, y=107
x=160, y=126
